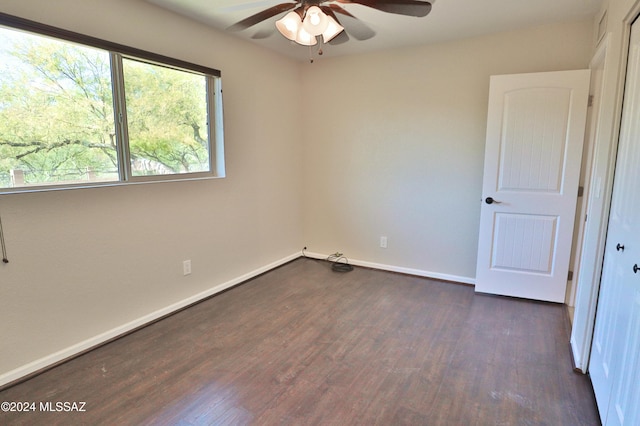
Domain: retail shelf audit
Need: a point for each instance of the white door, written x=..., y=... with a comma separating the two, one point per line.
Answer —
x=615, y=351
x=535, y=134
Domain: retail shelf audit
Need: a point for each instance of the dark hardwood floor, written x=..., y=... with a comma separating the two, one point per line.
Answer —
x=304, y=345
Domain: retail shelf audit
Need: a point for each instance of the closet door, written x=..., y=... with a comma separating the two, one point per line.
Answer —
x=615, y=354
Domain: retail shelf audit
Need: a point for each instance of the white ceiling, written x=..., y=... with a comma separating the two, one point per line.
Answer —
x=448, y=20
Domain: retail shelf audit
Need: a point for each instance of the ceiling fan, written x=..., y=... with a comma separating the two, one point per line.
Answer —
x=309, y=20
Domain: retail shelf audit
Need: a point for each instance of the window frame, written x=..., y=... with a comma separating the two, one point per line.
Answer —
x=117, y=52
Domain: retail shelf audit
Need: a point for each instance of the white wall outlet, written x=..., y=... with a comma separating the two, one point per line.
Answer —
x=383, y=242
x=186, y=267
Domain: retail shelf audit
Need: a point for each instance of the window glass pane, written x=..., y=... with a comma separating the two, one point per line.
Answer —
x=56, y=112
x=167, y=120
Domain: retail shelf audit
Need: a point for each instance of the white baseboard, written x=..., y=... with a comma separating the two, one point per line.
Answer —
x=576, y=358
x=95, y=341
x=402, y=270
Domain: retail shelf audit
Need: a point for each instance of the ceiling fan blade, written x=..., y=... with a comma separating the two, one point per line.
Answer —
x=328, y=11
x=261, y=16
x=355, y=27
x=258, y=4
x=401, y=7
x=335, y=8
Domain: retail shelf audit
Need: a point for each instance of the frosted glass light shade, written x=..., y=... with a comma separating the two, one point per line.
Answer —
x=305, y=38
x=333, y=29
x=315, y=21
x=289, y=25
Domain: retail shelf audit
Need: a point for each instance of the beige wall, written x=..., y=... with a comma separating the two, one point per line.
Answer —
x=84, y=262
x=394, y=145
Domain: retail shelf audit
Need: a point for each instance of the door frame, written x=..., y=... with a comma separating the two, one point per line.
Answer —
x=590, y=237
x=590, y=147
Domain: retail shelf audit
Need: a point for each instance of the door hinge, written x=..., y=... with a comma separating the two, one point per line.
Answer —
x=570, y=276
x=580, y=191
x=590, y=102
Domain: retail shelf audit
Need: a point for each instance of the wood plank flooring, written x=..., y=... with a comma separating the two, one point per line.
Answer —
x=303, y=345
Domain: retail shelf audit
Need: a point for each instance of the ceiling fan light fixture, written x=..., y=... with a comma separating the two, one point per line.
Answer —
x=290, y=25
x=333, y=29
x=315, y=21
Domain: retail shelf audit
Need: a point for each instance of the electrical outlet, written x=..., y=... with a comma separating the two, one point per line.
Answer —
x=383, y=242
x=186, y=267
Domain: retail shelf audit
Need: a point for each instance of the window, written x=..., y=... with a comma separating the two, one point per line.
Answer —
x=77, y=111
x=167, y=116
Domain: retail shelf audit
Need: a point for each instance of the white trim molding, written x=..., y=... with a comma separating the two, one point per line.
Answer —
x=94, y=342
x=401, y=269
x=100, y=339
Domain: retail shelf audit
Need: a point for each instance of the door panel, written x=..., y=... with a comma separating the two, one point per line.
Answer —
x=604, y=354
x=625, y=397
x=525, y=242
x=534, y=139
x=535, y=132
